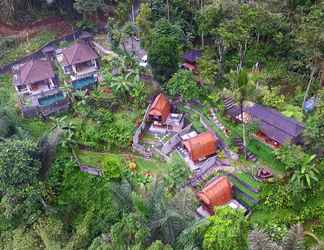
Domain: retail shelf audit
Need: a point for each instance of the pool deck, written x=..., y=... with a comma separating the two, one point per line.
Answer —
x=84, y=83
x=34, y=98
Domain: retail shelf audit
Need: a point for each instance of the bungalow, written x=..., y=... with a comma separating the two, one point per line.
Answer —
x=217, y=192
x=275, y=129
x=201, y=146
x=161, y=117
x=80, y=61
x=38, y=89
x=190, y=59
x=34, y=77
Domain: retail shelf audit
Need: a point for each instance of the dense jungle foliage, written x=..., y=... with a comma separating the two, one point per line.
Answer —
x=270, y=52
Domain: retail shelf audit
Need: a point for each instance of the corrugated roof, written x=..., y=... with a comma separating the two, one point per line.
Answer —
x=202, y=145
x=274, y=124
x=79, y=52
x=35, y=71
x=161, y=107
x=216, y=193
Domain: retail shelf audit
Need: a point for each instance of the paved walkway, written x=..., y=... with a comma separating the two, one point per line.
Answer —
x=103, y=49
x=217, y=122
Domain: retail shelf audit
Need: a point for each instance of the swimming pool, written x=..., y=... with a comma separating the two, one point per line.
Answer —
x=84, y=83
x=49, y=100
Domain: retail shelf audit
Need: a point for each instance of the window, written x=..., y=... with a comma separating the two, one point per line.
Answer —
x=22, y=88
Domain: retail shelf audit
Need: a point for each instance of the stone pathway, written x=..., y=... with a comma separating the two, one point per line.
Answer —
x=217, y=122
x=249, y=155
x=103, y=49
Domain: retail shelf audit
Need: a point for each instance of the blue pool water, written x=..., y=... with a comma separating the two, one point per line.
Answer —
x=84, y=83
x=48, y=100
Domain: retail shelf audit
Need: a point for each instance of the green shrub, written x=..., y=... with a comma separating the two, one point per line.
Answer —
x=113, y=167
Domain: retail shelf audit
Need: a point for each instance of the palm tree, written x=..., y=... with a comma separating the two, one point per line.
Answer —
x=68, y=127
x=242, y=84
x=306, y=174
x=319, y=243
x=165, y=222
x=121, y=85
x=294, y=240
x=191, y=236
x=122, y=195
x=259, y=240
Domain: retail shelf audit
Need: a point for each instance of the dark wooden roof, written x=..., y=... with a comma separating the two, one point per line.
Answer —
x=34, y=71
x=192, y=56
x=274, y=124
x=85, y=35
x=79, y=52
x=49, y=49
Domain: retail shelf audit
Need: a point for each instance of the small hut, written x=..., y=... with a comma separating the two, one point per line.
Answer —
x=160, y=109
x=201, y=146
x=217, y=193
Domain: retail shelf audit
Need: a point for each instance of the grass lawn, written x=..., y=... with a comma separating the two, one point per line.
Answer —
x=147, y=137
x=195, y=120
x=92, y=158
x=95, y=159
x=265, y=154
x=7, y=92
x=263, y=217
x=27, y=47
x=36, y=127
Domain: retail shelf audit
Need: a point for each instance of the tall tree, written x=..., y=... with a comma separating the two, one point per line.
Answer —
x=242, y=85
x=163, y=52
x=88, y=6
x=163, y=57
x=314, y=132
x=184, y=85
x=311, y=40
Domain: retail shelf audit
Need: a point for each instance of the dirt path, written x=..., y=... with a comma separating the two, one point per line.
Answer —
x=54, y=24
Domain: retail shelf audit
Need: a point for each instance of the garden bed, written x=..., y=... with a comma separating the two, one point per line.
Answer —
x=248, y=179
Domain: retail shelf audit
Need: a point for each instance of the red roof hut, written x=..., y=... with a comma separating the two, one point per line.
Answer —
x=160, y=109
x=216, y=193
x=201, y=146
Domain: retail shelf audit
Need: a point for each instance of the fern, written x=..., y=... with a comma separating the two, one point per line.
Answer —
x=260, y=241
x=294, y=239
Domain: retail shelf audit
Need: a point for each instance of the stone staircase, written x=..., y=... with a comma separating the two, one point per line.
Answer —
x=249, y=155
